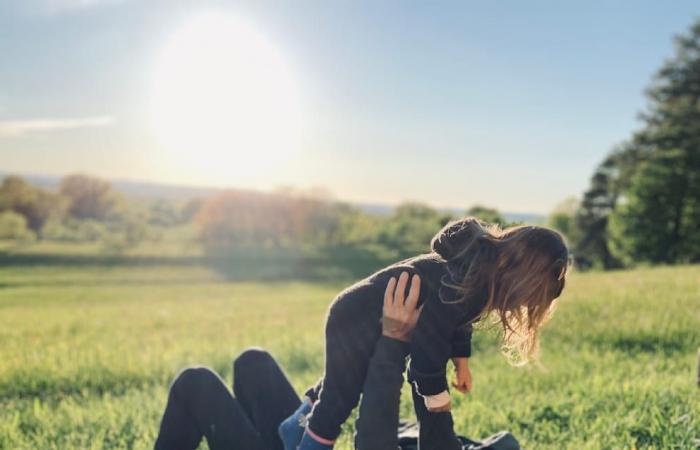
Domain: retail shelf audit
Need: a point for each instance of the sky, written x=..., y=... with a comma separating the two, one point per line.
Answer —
x=510, y=104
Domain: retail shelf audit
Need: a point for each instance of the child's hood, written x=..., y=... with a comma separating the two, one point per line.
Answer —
x=436, y=277
x=440, y=278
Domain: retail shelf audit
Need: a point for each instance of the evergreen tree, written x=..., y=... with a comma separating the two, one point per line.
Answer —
x=657, y=218
x=610, y=180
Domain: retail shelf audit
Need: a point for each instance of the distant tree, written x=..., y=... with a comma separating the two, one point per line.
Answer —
x=89, y=197
x=411, y=226
x=163, y=213
x=357, y=228
x=489, y=215
x=35, y=204
x=610, y=181
x=563, y=218
x=236, y=219
x=73, y=230
x=14, y=226
x=591, y=247
x=658, y=216
x=190, y=209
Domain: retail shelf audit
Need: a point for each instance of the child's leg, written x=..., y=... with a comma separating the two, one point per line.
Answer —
x=436, y=429
x=349, y=348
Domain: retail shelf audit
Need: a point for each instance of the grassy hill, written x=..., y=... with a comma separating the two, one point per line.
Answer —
x=87, y=352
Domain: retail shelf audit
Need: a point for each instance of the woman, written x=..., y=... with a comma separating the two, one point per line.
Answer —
x=200, y=404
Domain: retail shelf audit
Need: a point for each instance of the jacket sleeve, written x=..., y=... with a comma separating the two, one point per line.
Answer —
x=431, y=346
x=462, y=341
x=379, y=408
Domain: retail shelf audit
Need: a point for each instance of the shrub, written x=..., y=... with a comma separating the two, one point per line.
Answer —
x=14, y=226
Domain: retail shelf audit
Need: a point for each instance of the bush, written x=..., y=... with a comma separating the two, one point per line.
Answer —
x=234, y=220
x=35, y=204
x=14, y=226
x=72, y=230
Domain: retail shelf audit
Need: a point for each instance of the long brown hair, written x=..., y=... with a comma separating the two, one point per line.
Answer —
x=523, y=268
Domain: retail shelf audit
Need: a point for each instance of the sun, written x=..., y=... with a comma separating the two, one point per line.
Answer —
x=224, y=101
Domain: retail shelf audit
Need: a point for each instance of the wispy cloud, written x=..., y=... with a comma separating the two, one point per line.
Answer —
x=16, y=128
x=67, y=5
x=52, y=7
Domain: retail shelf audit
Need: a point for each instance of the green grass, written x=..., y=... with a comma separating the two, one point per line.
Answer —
x=87, y=353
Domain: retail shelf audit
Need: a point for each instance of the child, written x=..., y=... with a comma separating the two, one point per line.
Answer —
x=473, y=271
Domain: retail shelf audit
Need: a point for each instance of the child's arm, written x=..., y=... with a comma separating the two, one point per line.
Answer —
x=461, y=341
x=461, y=351
x=463, y=383
x=431, y=350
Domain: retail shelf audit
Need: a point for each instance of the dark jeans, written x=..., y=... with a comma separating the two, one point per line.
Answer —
x=436, y=429
x=347, y=361
x=200, y=405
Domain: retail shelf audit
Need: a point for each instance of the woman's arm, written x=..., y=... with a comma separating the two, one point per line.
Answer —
x=379, y=409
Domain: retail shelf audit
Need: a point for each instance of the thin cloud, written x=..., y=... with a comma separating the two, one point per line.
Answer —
x=17, y=128
x=65, y=5
x=52, y=7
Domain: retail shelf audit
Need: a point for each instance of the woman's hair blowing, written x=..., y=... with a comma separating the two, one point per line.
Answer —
x=523, y=268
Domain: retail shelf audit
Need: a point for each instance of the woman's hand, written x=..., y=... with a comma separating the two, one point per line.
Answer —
x=400, y=316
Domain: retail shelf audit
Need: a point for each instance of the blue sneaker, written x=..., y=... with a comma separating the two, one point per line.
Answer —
x=309, y=443
x=291, y=429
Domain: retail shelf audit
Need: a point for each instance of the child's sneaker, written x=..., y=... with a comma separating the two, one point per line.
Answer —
x=312, y=442
x=291, y=429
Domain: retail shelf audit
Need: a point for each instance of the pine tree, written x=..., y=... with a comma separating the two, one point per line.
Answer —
x=658, y=218
x=610, y=180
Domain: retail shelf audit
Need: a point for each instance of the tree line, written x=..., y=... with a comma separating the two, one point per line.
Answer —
x=82, y=209
x=87, y=209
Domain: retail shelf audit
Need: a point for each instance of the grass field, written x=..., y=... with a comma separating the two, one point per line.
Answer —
x=87, y=353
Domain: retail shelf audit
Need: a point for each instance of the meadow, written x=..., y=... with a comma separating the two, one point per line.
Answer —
x=89, y=346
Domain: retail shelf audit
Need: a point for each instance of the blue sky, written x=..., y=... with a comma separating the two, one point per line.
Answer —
x=509, y=104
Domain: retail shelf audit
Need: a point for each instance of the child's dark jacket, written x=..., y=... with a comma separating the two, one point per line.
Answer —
x=444, y=328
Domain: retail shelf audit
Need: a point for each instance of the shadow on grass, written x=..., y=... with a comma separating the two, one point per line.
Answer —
x=328, y=264
x=558, y=417
x=12, y=259
x=48, y=386
x=668, y=342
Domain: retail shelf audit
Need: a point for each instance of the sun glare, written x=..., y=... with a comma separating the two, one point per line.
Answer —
x=224, y=101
